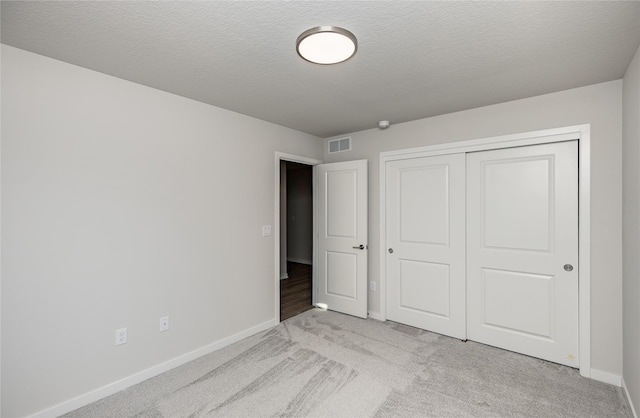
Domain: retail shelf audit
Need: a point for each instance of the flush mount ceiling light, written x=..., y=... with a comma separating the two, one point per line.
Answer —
x=326, y=45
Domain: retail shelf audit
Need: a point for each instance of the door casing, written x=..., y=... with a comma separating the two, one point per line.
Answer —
x=582, y=133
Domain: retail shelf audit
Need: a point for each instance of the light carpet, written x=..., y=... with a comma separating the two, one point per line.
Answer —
x=325, y=364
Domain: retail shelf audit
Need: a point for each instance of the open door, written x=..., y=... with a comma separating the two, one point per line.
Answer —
x=340, y=281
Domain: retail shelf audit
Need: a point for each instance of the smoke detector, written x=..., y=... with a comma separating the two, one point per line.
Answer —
x=383, y=124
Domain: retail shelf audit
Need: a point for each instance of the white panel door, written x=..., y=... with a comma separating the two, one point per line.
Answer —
x=342, y=236
x=522, y=250
x=425, y=215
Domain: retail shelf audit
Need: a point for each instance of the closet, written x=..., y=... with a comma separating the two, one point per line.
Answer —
x=483, y=245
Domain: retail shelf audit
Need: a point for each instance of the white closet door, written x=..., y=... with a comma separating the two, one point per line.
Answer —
x=522, y=250
x=342, y=209
x=425, y=220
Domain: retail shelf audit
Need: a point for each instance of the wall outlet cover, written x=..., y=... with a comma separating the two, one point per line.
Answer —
x=164, y=323
x=121, y=336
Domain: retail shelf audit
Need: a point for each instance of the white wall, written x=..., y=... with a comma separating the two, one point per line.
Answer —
x=599, y=105
x=631, y=230
x=118, y=208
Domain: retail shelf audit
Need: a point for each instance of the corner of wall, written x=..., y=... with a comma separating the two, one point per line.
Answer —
x=631, y=232
x=626, y=393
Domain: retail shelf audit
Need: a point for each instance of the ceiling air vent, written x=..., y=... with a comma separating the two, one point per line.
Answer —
x=339, y=145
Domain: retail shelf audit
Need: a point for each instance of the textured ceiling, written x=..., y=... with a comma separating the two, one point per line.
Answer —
x=415, y=59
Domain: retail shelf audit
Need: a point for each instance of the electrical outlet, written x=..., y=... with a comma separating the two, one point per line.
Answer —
x=164, y=323
x=372, y=286
x=266, y=230
x=121, y=336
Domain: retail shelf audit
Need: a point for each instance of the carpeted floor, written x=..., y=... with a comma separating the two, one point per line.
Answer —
x=325, y=364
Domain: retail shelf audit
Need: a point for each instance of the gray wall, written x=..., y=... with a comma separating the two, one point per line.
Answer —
x=599, y=105
x=631, y=230
x=299, y=213
x=118, y=207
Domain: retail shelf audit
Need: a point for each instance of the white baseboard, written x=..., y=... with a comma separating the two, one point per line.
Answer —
x=606, y=377
x=375, y=315
x=626, y=392
x=111, y=388
x=299, y=260
x=284, y=276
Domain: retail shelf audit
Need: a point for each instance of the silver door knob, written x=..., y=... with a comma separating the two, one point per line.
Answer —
x=359, y=247
x=568, y=267
x=390, y=250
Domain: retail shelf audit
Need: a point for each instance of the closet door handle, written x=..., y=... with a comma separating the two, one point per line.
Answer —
x=390, y=250
x=359, y=247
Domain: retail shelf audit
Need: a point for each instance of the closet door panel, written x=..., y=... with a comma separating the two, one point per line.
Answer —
x=425, y=220
x=522, y=250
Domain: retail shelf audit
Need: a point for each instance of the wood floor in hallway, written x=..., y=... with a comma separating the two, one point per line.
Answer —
x=295, y=291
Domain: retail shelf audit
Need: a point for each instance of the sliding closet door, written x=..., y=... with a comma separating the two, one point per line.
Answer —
x=522, y=250
x=425, y=221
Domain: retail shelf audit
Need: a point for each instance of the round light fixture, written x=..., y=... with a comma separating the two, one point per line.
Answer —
x=326, y=45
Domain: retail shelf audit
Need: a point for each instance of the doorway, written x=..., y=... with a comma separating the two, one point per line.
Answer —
x=339, y=254
x=296, y=238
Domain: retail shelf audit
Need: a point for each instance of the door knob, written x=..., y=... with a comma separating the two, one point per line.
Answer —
x=359, y=247
x=568, y=267
x=390, y=250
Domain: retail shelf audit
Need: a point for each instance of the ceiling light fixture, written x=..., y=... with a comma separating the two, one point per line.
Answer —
x=326, y=45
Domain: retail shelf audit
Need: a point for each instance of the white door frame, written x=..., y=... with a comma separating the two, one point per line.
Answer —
x=281, y=156
x=580, y=132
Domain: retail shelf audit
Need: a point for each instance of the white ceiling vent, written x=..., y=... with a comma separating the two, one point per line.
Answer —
x=339, y=145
